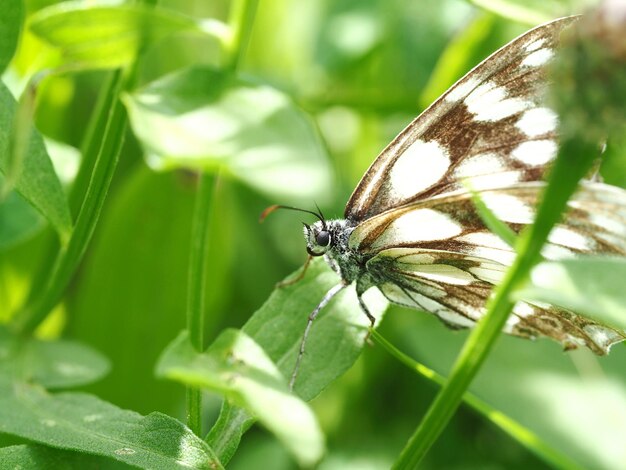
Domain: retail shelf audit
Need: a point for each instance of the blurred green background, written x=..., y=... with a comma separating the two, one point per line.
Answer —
x=360, y=71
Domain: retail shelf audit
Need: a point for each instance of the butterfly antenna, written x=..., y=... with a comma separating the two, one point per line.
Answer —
x=275, y=207
x=321, y=216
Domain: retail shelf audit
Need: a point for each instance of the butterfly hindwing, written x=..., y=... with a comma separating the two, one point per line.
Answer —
x=491, y=126
x=437, y=255
x=455, y=288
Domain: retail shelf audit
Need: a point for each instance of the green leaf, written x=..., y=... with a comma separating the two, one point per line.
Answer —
x=201, y=118
x=592, y=286
x=35, y=180
x=334, y=343
x=36, y=457
x=532, y=11
x=574, y=402
x=101, y=36
x=82, y=422
x=52, y=364
x=235, y=366
x=18, y=220
x=11, y=21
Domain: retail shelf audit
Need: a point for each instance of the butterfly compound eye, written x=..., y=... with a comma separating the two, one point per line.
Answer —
x=323, y=238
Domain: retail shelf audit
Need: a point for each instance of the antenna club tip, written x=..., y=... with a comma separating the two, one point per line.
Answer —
x=267, y=212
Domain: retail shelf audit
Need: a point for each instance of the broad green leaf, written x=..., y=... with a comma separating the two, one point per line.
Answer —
x=104, y=36
x=51, y=364
x=18, y=220
x=235, y=366
x=592, y=286
x=574, y=402
x=35, y=180
x=36, y=457
x=533, y=11
x=201, y=118
x=84, y=423
x=11, y=18
x=334, y=343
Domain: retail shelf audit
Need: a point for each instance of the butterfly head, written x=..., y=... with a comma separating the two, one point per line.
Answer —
x=319, y=238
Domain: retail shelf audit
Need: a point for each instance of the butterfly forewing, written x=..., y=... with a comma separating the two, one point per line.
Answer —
x=491, y=127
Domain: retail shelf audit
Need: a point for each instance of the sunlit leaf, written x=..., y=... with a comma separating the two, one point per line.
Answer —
x=592, y=286
x=35, y=180
x=104, y=36
x=81, y=422
x=201, y=118
x=334, y=343
x=533, y=11
x=235, y=366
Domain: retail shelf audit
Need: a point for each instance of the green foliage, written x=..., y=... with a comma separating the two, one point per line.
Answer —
x=203, y=118
x=33, y=175
x=235, y=366
x=93, y=36
x=280, y=102
x=84, y=423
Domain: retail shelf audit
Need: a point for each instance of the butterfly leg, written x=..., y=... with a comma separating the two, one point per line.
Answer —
x=329, y=295
x=366, y=311
x=299, y=277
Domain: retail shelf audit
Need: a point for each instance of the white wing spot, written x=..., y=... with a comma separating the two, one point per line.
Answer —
x=500, y=256
x=537, y=121
x=533, y=46
x=570, y=238
x=419, y=167
x=554, y=252
x=443, y=273
x=535, y=152
x=418, y=226
x=461, y=90
x=491, y=273
x=524, y=310
x=478, y=165
x=487, y=239
x=489, y=103
x=495, y=180
x=537, y=58
x=508, y=208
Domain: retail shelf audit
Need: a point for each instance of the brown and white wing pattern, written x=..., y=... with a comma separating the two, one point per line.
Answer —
x=455, y=288
x=438, y=256
x=492, y=126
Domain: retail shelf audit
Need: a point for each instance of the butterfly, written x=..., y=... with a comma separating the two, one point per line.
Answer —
x=411, y=228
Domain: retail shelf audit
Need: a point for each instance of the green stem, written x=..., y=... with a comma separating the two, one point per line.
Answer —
x=508, y=425
x=70, y=255
x=206, y=198
x=575, y=158
x=241, y=19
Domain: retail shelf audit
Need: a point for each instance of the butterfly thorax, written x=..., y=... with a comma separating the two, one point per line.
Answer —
x=329, y=238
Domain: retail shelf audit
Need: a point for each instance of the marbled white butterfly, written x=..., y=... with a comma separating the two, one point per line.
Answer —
x=411, y=228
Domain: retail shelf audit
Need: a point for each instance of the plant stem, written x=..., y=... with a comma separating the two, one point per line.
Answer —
x=240, y=20
x=575, y=158
x=35, y=311
x=206, y=198
x=520, y=433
